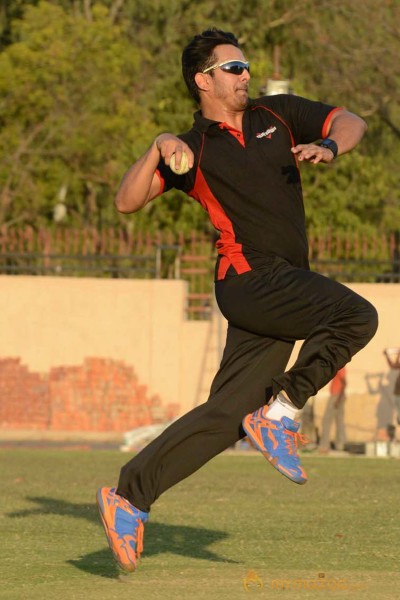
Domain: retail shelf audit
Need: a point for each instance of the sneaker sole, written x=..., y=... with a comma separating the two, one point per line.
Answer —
x=273, y=460
x=130, y=567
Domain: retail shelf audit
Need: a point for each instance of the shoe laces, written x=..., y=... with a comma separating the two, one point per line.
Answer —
x=293, y=440
x=123, y=504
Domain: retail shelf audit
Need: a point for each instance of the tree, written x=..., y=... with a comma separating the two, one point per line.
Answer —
x=71, y=119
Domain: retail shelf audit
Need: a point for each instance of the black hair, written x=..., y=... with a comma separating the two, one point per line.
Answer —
x=199, y=54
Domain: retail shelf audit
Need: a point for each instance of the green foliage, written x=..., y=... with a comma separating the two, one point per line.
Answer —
x=352, y=193
x=69, y=92
x=85, y=87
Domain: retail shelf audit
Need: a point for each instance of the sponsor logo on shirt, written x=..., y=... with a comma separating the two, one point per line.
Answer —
x=267, y=133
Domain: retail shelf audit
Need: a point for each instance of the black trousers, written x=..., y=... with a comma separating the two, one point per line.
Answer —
x=267, y=309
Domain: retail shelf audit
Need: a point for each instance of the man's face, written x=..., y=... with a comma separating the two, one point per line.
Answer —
x=230, y=89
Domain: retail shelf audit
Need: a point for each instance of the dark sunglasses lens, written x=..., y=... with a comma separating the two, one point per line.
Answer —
x=235, y=69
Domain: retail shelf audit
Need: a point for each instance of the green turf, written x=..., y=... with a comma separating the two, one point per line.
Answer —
x=235, y=529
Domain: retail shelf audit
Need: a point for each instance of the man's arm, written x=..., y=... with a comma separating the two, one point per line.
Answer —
x=141, y=184
x=346, y=129
x=393, y=357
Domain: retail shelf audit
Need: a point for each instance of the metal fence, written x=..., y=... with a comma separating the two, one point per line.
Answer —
x=117, y=253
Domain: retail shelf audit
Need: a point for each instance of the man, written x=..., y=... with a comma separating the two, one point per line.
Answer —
x=243, y=168
x=334, y=411
x=392, y=356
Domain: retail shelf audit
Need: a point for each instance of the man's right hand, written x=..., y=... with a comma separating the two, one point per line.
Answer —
x=141, y=183
x=169, y=144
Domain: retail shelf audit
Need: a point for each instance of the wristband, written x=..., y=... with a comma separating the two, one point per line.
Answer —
x=331, y=145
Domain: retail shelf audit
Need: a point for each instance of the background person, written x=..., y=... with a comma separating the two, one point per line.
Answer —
x=393, y=358
x=335, y=413
x=379, y=383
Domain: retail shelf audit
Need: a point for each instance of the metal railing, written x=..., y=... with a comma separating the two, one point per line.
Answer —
x=170, y=262
x=362, y=270
x=118, y=253
x=108, y=265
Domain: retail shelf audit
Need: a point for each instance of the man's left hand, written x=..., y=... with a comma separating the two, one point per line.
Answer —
x=313, y=153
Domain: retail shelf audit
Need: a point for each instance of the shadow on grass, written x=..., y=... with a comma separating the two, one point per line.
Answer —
x=98, y=563
x=160, y=538
x=190, y=542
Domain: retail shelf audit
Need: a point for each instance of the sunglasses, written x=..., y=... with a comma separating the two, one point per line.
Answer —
x=236, y=67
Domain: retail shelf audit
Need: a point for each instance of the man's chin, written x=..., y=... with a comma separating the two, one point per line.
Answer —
x=243, y=100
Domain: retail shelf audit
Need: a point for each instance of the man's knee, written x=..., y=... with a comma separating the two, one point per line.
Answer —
x=366, y=320
x=371, y=319
x=358, y=318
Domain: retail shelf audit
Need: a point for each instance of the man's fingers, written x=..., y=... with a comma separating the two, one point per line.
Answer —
x=178, y=156
x=312, y=153
x=178, y=151
x=168, y=144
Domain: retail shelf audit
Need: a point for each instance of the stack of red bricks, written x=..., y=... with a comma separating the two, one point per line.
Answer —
x=101, y=395
x=24, y=397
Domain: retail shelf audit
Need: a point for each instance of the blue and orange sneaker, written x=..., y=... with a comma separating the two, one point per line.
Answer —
x=124, y=527
x=277, y=441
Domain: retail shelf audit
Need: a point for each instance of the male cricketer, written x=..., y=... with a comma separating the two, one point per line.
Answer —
x=243, y=157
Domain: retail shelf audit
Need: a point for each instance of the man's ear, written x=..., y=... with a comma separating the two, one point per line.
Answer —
x=202, y=81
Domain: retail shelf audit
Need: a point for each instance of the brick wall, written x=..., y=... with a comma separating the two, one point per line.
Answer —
x=24, y=397
x=99, y=395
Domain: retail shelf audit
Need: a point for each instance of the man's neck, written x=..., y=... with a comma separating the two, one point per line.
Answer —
x=222, y=115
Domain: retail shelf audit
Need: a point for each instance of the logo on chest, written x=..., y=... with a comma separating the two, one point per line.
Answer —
x=267, y=133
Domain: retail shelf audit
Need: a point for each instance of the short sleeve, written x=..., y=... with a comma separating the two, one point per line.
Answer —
x=308, y=119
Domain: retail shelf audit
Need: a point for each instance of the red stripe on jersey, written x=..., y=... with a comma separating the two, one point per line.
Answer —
x=162, y=182
x=223, y=267
x=226, y=245
x=327, y=123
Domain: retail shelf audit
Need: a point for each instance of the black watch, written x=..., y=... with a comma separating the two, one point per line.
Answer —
x=331, y=145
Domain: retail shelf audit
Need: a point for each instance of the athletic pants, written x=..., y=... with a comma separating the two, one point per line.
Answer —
x=267, y=309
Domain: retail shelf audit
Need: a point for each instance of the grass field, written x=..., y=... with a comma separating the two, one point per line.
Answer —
x=235, y=529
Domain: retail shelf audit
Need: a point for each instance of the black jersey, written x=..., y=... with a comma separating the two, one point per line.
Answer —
x=249, y=182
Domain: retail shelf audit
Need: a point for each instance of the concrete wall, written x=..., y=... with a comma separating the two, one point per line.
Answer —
x=55, y=321
x=50, y=321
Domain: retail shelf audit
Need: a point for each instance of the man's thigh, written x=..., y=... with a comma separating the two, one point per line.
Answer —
x=280, y=301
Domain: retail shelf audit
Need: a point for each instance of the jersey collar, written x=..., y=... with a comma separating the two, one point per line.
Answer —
x=201, y=123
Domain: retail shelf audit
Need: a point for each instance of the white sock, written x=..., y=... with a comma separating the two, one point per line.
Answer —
x=282, y=407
